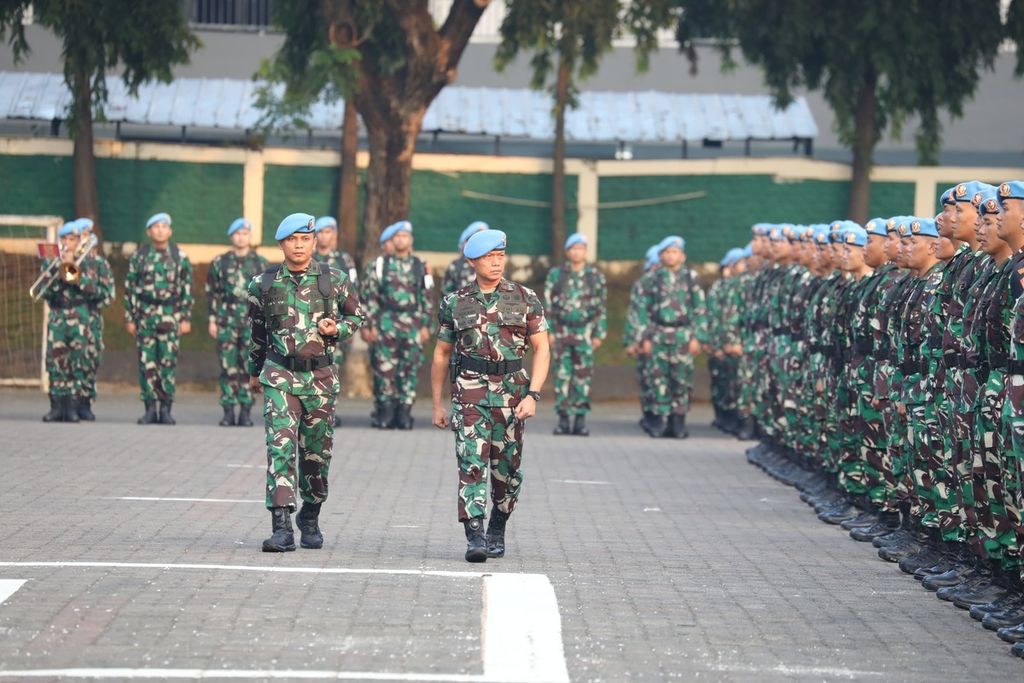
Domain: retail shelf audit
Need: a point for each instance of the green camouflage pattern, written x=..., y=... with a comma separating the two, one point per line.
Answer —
x=344, y=262
x=459, y=274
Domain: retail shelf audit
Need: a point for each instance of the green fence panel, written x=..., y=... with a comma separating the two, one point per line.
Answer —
x=37, y=185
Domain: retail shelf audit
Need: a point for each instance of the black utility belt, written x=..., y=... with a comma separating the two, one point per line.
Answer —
x=913, y=367
x=488, y=367
x=955, y=360
x=153, y=301
x=677, y=323
x=60, y=305
x=299, y=364
x=1015, y=367
x=864, y=346
x=780, y=331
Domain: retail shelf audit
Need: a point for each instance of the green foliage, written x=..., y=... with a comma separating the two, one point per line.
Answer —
x=922, y=55
x=1015, y=31
x=144, y=38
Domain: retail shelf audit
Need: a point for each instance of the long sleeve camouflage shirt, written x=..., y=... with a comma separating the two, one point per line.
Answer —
x=226, y=283
x=158, y=287
x=672, y=307
x=576, y=304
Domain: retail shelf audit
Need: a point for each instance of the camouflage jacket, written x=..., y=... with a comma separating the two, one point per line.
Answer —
x=284, y=321
x=395, y=295
x=95, y=288
x=958, y=293
x=631, y=326
x=576, y=304
x=459, y=274
x=158, y=287
x=976, y=306
x=917, y=384
x=226, y=284
x=341, y=260
x=495, y=326
x=672, y=309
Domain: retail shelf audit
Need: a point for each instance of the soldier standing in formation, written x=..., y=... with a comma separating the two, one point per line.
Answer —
x=397, y=294
x=157, y=310
x=74, y=299
x=483, y=334
x=226, y=282
x=460, y=273
x=575, y=300
x=298, y=311
x=89, y=361
x=328, y=251
x=631, y=340
x=724, y=350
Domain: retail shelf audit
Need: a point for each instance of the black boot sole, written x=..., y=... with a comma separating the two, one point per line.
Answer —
x=478, y=555
x=311, y=545
x=268, y=548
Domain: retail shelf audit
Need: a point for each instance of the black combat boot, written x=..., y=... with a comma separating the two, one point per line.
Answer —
x=887, y=523
x=337, y=420
x=677, y=427
x=730, y=422
x=745, y=431
x=56, y=413
x=656, y=427
x=309, y=527
x=1012, y=634
x=476, y=540
x=85, y=409
x=71, y=409
x=579, y=426
x=496, y=533
x=387, y=414
x=165, y=413
x=563, y=426
x=647, y=421
x=229, y=417
x=403, y=417
x=149, y=417
x=375, y=415
x=283, y=538
x=243, y=416
x=716, y=422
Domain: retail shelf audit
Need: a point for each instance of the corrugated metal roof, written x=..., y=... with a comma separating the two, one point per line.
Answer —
x=228, y=103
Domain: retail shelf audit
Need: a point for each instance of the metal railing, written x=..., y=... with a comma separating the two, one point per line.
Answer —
x=230, y=14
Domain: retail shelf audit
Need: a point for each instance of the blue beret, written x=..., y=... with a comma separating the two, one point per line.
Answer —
x=484, y=242
x=296, y=222
x=574, y=239
x=964, y=192
x=471, y=229
x=732, y=256
x=876, y=226
x=990, y=206
x=237, y=225
x=394, y=229
x=1011, y=189
x=892, y=224
x=671, y=241
x=748, y=251
x=325, y=222
x=922, y=227
x=854, y=234
x=69, y=228
x=948, y=197
x=651, y=257
x=84, y=224
x=158, y=218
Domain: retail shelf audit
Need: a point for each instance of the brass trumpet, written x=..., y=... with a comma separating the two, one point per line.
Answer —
x=58, y=269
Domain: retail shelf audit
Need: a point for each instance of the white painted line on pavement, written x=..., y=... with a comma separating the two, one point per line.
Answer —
x=652, y=509
x=8, y=588
x=588, y=482
x=786, y=670
x=522, y=630
x=249, y=568
x=197, y=674
x=184, y=500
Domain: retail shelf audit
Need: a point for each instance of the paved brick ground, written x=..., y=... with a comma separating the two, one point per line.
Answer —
x=668, y=559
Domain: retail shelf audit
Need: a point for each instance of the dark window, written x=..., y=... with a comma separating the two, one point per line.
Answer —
x=230, y=13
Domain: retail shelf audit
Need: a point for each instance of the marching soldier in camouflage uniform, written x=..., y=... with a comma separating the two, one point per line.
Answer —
x=328, y=251
x=484, y=331
x=397, y=293
x=226, y=283
x=377, y=416
x=460, y=273
x=673, y=326
x=724, y=349
x=157, y=309
x=73, y=299
x=298, y=312
x=575, y=299
x=89, y=362
x=631, y=340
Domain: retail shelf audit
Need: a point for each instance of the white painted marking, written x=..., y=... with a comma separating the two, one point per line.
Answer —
x=185, y=500
x=826, y=671
x=522, y=633
x=587, y=482
x=197, y=674
x=652, y=509
x=255, y=467
x=405, y=526
x=8, y=587
x=249, y=568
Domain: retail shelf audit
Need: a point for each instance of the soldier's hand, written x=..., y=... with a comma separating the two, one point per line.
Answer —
x=694, y=347
x=647, y=347
x=131, y=328
x=254, y=385
x=328, y=327
x=424, y=335
x=631, y=350
x=185, y=326
x=439, y=419
x=368, y=334
x=902, y=408
x=596, y=343
x=527, y=408
x=212, y=329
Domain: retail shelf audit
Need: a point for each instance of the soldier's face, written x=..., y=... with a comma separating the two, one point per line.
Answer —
x=241, y=238
x=70, y=242
x=892, y=246
x=944, y=248
x=160, y=233
x=388, y=247
x=874, y=253
x=298, y=248
x=853, y=257
x=491, y=266
x=739, y=267
x=402, y=242
x=325, y=238
x=966, y=217
x=576, y=254
x=988, y=233
x=948, y=222
x=1012, y=218
x=671, y=257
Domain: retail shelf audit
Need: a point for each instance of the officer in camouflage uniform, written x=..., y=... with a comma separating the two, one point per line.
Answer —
x=397, y=298
x=460, y=273
x=631, y=340
x=226, y=281
x=89, y=361
x=72, y=301
x=157, y=309
x=328, y=251
x=369, y=336
x=673, y=326
x=575, y=300
x=723, y=358
x=484, y=331
x=298, y=312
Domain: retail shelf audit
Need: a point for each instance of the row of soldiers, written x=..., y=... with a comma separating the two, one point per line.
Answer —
x=882, y=369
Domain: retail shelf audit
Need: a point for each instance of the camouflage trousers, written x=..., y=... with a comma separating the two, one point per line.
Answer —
x=866, y=456
x=647, y=399
x=670, y=372
x=232, y=351
x=398, y=360
x=1012, y=424
x=923, y=451
x=724, y=389
x=158, y=361
x=488, y=441
x=995, y=475
x=302, y=427
x=837, y=399
x=67, y=338
x=956, y=426
x=93, y=353
x=574, y=372
x=745, y=383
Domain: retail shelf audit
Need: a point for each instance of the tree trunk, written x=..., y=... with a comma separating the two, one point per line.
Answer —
x=388, y=175
x=558, y=233
x=348, y=191
x=87, y=203
x=865, y=137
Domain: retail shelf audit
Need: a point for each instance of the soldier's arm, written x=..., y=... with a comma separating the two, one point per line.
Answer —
x=424, y=300
x=212, y=289
x=699, y=311
x=105, y=289
x=185, y=304
x=258, y=325
x=369, y=292
x=350, y=309
x=549, y=289
x=131, y=306
x=601, y=297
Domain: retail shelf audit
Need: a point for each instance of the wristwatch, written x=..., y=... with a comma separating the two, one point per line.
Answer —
x=535, y=395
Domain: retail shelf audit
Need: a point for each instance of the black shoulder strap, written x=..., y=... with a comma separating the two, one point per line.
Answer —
x=419, y=269
x=267, y=279
x=175, y=254
x=143, y=250
x=560, y=282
